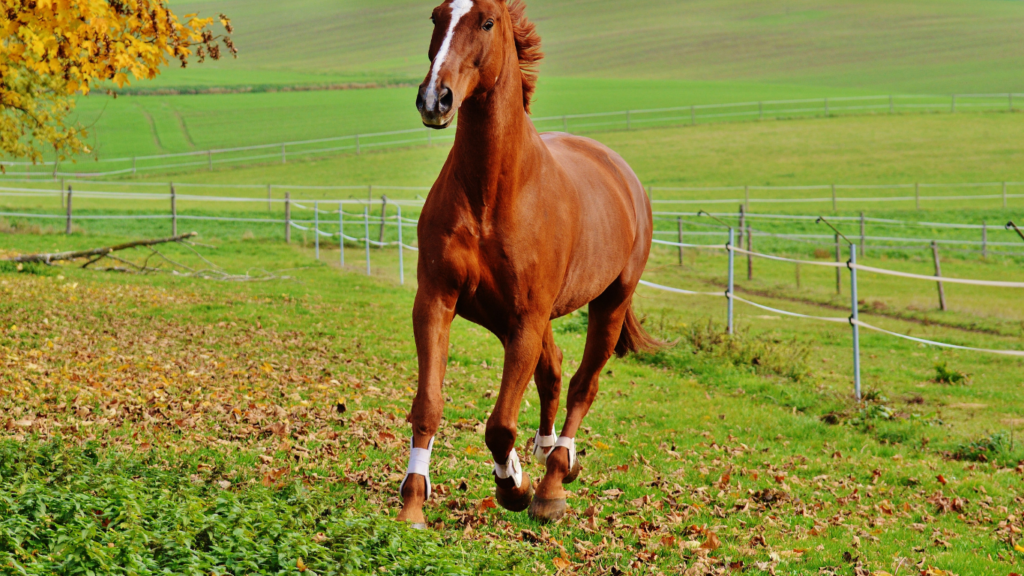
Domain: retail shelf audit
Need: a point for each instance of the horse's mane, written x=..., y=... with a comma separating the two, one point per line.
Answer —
x=527, y=47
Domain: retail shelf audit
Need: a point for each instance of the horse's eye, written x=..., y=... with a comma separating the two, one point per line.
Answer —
x=488, y=25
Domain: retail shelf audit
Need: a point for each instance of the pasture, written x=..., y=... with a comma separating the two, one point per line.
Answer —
x=150, y=409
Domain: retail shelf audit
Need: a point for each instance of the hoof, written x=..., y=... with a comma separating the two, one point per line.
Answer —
x=513, y=502
x=544, y=511
x=574, y=473
x=418, y=526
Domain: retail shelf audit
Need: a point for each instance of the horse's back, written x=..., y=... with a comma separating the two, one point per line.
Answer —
x=615, y=222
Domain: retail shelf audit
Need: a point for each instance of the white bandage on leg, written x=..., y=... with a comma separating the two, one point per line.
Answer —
x=419, y=463
x=570, y=445
x=542, y=442
x=512, y=469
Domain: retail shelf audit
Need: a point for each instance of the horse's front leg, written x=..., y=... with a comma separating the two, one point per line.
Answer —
x=432, y=319
x=514, y=490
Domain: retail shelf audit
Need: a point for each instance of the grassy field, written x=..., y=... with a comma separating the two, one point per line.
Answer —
x=862, y=150
x=694, y=53
x=914, y=46
x=278, y=408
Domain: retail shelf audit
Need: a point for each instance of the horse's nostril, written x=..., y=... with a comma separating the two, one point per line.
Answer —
x=421, y=102
x=446, y=100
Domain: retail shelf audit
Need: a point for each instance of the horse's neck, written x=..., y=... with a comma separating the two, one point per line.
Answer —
x=493, y=144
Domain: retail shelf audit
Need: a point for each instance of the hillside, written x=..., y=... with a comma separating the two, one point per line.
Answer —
x=908, y=46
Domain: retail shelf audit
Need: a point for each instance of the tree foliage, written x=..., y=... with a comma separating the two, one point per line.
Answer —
x=51, y=50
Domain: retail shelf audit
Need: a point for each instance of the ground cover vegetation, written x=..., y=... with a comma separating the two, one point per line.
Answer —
x=262, y=425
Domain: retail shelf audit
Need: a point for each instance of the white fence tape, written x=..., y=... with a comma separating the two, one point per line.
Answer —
x=944, y=279
x=1017, y=353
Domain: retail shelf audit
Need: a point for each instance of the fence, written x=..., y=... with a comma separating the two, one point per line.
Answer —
x=853, y=320
x=281, y=152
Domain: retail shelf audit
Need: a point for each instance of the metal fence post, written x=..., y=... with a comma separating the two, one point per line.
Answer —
x=341, y=233
x=401, y=258
x=133, y=164
x=67, y=227
x=984, y=239
x=284, y=154
x=174, y=211
x=938, y=274
x=316, y=228
x=839, y=271
x=834, y=205
x=732, y=272
x=288, y=217
x=366, y=222
x=826, y=106
x=679, y=223
x=863, y=237
x=854, y=318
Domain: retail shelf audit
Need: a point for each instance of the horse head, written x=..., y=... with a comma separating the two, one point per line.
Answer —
x=474, y=43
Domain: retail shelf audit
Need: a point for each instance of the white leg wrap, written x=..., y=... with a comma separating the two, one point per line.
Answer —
x=542, y=442
x=570, y=445
x=419, y=463
x=512, y=469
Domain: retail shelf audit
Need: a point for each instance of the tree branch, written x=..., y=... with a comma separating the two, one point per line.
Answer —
x=59, y=256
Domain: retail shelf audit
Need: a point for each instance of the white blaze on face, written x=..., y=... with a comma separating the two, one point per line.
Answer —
x=459, y=9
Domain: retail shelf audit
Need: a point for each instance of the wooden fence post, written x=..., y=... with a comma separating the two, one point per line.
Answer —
x=863, y=237
x=750, y=248
x=826, y=107
x=288, y=217
x=834, y=205
x=798, y=276
x=984, y=239
x=270, y=190
x=383, y=215
x=679, y=223
x=938, y=274
x=357, y=144
x=892, y=107
x=62, y=192
x=742, y=226
x=174, y=212
x=760, y=110
x=284, y=154
x=67, y=227
x=746, y=197
x=693, y=115
x=209, y=159
x=1004, y=195
x=133, y=164
x=839, y=271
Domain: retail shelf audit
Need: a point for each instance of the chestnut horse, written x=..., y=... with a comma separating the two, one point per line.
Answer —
x=520, y=228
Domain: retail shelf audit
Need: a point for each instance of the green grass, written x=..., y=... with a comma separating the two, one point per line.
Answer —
x=755, y=436
x=914, y=46
x=866, y=150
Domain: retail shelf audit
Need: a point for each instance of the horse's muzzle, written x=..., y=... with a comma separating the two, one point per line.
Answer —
x=435, y=108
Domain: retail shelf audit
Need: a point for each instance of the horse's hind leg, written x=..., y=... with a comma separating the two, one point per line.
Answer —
x=548, y=377
x=607, y=313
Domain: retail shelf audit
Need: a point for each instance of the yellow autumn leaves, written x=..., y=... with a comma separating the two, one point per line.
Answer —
x=52, y=49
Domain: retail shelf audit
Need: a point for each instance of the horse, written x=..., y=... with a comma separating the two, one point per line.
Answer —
x=520, y=228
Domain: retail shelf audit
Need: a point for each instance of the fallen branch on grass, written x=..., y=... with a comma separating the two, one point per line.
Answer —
x=95, y=253
x=164, y=264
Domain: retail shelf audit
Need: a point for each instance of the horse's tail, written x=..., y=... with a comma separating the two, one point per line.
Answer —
x=634, y=338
